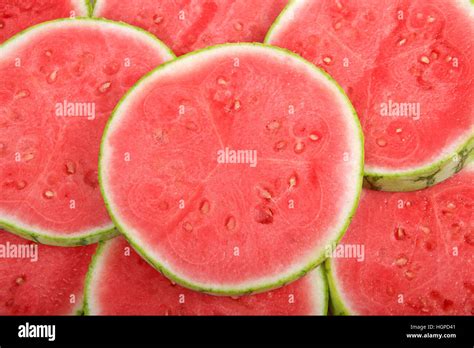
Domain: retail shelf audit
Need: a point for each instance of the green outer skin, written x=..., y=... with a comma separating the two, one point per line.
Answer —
x=318, y=259
x=412, y=179
x=86, y=310
x=99, y=234
x=335, y=301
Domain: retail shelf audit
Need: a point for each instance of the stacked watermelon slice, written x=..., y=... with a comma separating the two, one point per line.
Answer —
x=279, y=158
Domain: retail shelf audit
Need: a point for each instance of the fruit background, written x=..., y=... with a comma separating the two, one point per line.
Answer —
x=360, y=203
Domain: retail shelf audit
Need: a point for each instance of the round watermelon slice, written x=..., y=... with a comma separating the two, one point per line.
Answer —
x=60, y=82
x=18, y=15
x=407, y=68
x=39, y=279
x=419, y=253
x=189, y=25
x=231, y=168
x=120, y=282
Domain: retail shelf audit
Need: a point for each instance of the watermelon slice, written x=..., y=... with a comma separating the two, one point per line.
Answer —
x=406, y=65
x=188, y=25
x=39, y=279
x=419, y=253
x=231, y=168
x=60, y=82
x=120, y=282
x=18, y=15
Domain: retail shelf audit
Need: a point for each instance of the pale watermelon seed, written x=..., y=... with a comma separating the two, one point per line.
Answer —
x=230, y=223
x=205, y=207
x=280, y=145
x=273, y=125
x=401, y=261
x=48, y=194
x=327, y=60
x=20, y=280
x=292, y=181
x=187, y=227
x=409, y=275
x=402, y=42
x=104, y=87
x=238, y=26
x=53, y=76
x=157, y=19
x=313, y=137
x=400, y=233
x=299, y=147
x=20, y=185
x=381, y=142
x=70, y=167
x=22, y=94
x=221, y=81
x=425, y=60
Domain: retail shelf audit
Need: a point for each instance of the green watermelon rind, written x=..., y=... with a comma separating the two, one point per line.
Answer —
x=319, y=259
x=98, y=234
x=419, y=177
x=320, y=282
x=336, y=302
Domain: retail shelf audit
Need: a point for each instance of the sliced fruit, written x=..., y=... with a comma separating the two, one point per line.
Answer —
x=60, y=82
x=231, y=168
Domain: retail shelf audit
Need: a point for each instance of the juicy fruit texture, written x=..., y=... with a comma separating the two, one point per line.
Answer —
x=60, y=82
x=192, y=24
x=419, y=253
x=48, y=281
x=120, y=282
x=223, y=224
x=18, y=15
x=407, y=68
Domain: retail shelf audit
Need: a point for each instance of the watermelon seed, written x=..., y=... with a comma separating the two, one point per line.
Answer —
x=230, y=223
x=451, y=206
x=381, y=142
x=104, y=87
x=313, y=137
x=273, y=125
x=425, y=59
x=236, y=105
x=401, y=261
x=338, y=25
x=280, y=145
x=48, y=53
x=238, y=26
x=425, y=229
x=299, y=147
x=431, y=19
x=265, y=194
x=263, y=215
x=205, y=207
x=434, y=55
x=398, y=130
x=235, y=297
x=402, y=41
x=2, y=24
x=52, y=77
x=20, y=280
x=409, y=275
x=292, y=181
x=187, y=227
x=29, y=156
x=327, y=60
x=20, y=185
x=408, y=204
x=48, y=194
x=400, y=233
x=157, y=19
x=70, y=167
x=221, y=81
x=22, y=94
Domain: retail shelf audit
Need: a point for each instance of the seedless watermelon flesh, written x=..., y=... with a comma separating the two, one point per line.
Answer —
x=188, y=25
x=407, y=68
x=60, y=82
x=419, y=253
x=216, y=222
x=38, y=279
x=120, y=282
x=18, y=15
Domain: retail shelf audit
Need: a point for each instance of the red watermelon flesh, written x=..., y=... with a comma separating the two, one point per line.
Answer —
x=396, y=52
x=217, y=225
x=18, y=15
x=419, y=253
x=48, y=155
x=192, y=24
x=120, y=282
x=51, y=285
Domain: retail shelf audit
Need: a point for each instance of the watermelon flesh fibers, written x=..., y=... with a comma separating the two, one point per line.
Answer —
x=122, y=283
x=419, y=253
x=189, y=25
x=407, y=68
x=38, y=279
x=60, y=82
